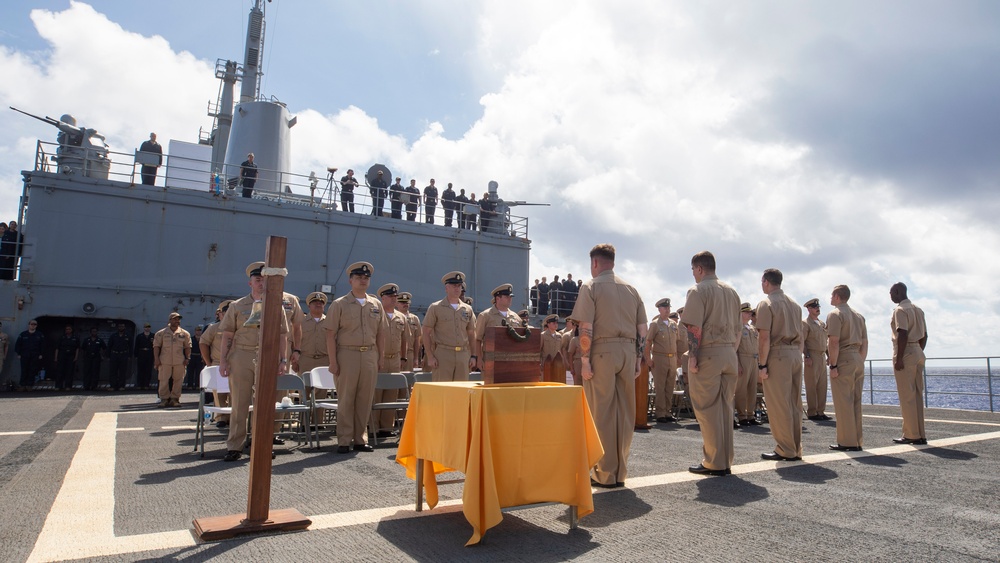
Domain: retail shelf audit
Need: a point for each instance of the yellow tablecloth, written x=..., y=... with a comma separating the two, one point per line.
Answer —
x=516, y=443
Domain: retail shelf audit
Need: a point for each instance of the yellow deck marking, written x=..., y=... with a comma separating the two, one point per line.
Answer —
x=81, y=521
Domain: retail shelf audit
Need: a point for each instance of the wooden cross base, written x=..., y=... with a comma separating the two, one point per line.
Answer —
x=225, y=527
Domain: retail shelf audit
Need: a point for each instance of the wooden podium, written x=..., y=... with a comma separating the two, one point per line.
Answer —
x=511, y=355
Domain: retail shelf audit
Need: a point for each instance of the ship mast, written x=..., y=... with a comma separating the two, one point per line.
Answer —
x=252, y=72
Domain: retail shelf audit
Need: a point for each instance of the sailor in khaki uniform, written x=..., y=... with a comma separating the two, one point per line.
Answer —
x=779, y=350
x=238, y=357
x=571, y=349
x=449, y=332
x=211, y=351
x=814, y=362
x=847, y=349
x=553, y=367
x=711, y=315
x=497, y=315
x=746, y=382
x=392, y=354
x=413, y=340
x=312, y=353
x=355, y=338
x=909, y=338
x=661, y=356
x=612, y=320
x=171, y=353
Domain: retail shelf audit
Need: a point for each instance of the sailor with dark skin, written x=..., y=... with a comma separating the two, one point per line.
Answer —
x=909, y=335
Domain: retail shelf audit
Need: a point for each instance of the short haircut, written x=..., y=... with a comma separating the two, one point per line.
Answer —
x=705, y=259
x=773, y=276
x=843, y=292
x=604, y=251
x=901, y=287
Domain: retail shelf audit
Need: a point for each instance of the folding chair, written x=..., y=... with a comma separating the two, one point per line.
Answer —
x=386, y=381
x=210, y=381
x=321, y=378
x=294, y=383
x=422, y=377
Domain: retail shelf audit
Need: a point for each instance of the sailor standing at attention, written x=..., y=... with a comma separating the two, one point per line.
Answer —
x=355, y=338
x=497, y=315
x=238, y=357
x=211, y=351
x=171, y=354
x=909, y=338
x=847, y=349
x=712, y=317
x=661, y=356
x=814, y=363
x=779, y=351
x=611, y=317
x=449, y=332
x=412, y=339
x=746, y=382
x=392, y=354
x=552, y=363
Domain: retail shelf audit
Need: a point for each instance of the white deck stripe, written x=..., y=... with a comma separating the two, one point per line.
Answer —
x=81, y=521
x=21, y=433
x=968, y=422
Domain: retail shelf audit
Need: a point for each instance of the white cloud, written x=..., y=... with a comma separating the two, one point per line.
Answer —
x=624, y=120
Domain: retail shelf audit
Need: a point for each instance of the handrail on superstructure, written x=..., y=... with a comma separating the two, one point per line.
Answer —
x=935, y=373
x=321, y=194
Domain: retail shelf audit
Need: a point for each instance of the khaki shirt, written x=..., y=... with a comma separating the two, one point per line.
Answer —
x=213, y=339
x=573, y=351
x=493, y=317
x=907, y=316
x=714, y=306
x=816, y=336
x=450, y=326
x=413, y=336
x=396, y=337
x=611, y=305
x=173, y=346
x=244, y=337
x=354, y=324
x=551, y=345
x=748, y=342
x=782, y=317
x=293, y=309
x=846, y=324
x=663, y=337
x=313, y=339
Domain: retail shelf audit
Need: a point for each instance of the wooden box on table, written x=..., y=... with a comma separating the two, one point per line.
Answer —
x=511, y=355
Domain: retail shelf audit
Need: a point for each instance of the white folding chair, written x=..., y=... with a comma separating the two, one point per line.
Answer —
x=388, y=381
x=294, y=383
x=210, y=381
x=321, y=378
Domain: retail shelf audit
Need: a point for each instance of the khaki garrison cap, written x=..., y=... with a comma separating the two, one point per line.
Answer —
x=388, y=289
x=254, y=269
x=360, y=269
x=814, y=302
x=505, y=289
x=405, y=297
x=745, y=307
x=316, y=296
x=665, y=302
x=453, y=277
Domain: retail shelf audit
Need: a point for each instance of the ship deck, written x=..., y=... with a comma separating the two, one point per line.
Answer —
x=106, y=477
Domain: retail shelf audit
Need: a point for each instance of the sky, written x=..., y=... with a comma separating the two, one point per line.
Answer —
x=841, y=142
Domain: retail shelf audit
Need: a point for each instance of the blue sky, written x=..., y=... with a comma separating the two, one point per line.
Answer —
x=844, y=142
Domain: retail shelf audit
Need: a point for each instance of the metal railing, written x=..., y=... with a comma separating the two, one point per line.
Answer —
x=272, y=185
x=963, y=382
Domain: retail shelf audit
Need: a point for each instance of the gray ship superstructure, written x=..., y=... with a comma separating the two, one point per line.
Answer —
x=100, y=248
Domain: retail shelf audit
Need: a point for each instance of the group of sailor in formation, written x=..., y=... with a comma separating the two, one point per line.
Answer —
x=724, y=349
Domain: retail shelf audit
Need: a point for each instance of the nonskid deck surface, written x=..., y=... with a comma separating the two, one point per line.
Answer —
x=109, y=478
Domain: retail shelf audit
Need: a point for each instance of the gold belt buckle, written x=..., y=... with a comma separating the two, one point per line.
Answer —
x=458, y=348
x=363, y=348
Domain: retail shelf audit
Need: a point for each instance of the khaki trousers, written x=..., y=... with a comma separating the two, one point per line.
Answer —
x=712, y=390
x=242, y=370
x=168, y=390
x=385, y=420
x=783, y=396
x=642, y=397
x=814, y=377
x=746, y=388
x=611, y=395
x=664, y=378
x=910, y=386
x=355, y=391
x=452, y=365
x=846, y=389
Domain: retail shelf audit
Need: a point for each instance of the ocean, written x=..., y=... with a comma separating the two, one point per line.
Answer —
x=954, y=387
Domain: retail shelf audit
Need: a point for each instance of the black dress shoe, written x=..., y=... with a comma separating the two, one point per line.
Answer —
x=222, y=424
x=232, y=455
x=363, y=448
x=386, y=433
x=278, y=441
x=605, y=486
x=825, y=417
x=774, y=456
x=815, y=417
x=343, y=449
x=665, y=419
x=702, y=470
x=840, y=448
x=913, y=441
x=752, y=422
